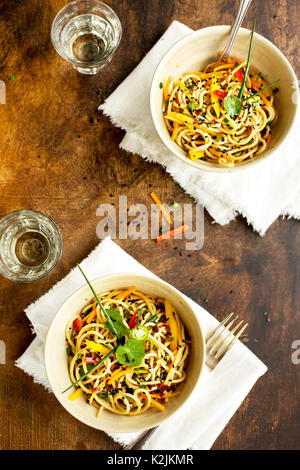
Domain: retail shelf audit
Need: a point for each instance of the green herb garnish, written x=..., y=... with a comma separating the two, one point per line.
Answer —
x=248, y=62
x=92, y=369
x=263, y=89
x=118, y=322
x=192, y=106
x=110, y=322
x=161, y=85
x=132, y=353
x=152, y=319
x=232, y=105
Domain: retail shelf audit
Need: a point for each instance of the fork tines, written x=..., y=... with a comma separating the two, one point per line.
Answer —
x=223, y=337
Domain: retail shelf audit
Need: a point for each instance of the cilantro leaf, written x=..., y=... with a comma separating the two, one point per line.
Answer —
x=132, y=353
x=117, y=322
x=232, y=105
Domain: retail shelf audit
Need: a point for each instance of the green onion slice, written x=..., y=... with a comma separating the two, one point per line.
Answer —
x=139, y=332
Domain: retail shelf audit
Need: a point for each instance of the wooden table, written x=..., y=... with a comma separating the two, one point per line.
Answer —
x=61, y=157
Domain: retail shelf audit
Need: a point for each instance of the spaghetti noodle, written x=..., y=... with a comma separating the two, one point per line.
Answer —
x=114, y=386
x=199, y=121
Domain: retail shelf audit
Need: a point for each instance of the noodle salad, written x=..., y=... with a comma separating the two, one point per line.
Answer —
x=132, y=362
x=222, y=115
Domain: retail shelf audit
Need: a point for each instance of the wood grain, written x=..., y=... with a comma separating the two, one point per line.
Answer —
x=61, y=157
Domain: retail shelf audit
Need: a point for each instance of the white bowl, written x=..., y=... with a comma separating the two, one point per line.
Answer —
x=195, y=51
x=56, y=361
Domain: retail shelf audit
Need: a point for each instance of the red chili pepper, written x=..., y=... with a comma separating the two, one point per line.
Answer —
x=163, y=389
x=97, y=389
x=90, y=360
x=220, y=94
x=133, y=322
x=239, y=74
x=78, y=324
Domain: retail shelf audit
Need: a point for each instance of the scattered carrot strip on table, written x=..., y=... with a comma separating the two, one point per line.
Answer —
x=163, y=210
x=172, y=233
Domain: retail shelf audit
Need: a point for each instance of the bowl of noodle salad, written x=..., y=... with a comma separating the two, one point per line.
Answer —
x=127, y=358
x=223, y=118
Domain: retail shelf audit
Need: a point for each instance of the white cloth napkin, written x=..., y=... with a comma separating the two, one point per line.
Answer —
x=200, y=421
x=260, y=194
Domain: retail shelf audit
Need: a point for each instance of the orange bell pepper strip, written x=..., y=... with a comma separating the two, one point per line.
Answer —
x=166, y=89
x=97, y=347
x=158, y=405
x=116, y=375
x=75, y=395
x=126, y=293
x=172, y=324
x=91, y=316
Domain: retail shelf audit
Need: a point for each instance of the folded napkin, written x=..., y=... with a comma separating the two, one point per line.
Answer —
x=260, y=194
x=203, y=417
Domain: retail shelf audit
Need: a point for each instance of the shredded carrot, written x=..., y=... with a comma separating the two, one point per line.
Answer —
x=265, y=100
x=175, y=131
x=163, y=210
x=256, y=87
x=268, y=140
x=126, y=293
x=91, y=316
x=112, y=294
x=172, y=233
x=158, y=405
x=224, y=66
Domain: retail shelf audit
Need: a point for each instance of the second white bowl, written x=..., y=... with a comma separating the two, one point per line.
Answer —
x=56, y=361
x=195, y=51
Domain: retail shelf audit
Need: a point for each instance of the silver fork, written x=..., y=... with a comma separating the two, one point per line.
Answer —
x=222, y=339
x=218, y=344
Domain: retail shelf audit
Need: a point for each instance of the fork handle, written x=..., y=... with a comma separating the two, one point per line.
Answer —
x=244, y=5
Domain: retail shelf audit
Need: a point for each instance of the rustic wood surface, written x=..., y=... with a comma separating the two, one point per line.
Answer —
x=61, y=157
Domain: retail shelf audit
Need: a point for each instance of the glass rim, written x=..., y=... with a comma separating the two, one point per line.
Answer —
x=59, y=49
x=23, y=280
